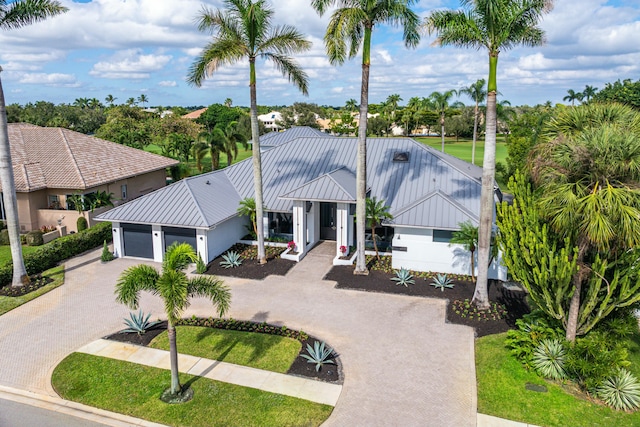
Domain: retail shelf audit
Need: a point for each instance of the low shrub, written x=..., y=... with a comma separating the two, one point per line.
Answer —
x=532, y=329
x=34, y=238
x=244, y=325
x=4, y=237
x=549, y=357
x=621, y=391
x=106, y=255
x=49, y=255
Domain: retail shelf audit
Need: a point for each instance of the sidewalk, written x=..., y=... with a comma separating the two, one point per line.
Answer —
x=303, y=388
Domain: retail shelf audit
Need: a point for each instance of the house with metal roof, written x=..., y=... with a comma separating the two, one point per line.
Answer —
x=52, y=164
x=309, y=190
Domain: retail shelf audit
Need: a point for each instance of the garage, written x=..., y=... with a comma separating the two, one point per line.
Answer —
x=180, y=235
x=137, y=240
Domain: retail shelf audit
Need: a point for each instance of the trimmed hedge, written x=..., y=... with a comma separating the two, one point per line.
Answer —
x=49, y=255
x=81, y=224
x=34, y=238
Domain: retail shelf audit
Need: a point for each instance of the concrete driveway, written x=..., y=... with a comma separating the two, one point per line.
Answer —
x=403, y=365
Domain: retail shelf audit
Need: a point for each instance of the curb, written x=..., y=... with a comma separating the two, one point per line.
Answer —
x=72, y=408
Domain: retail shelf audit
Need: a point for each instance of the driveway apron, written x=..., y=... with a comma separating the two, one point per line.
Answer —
x=402, y=364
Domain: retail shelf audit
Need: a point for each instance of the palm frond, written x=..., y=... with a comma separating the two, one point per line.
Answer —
x=284, y=40
x=178, y=256
x=26, y=12
x=216, y=54
x=213, y=289
x=288, y=67
x=132, y=281
x=172, y=287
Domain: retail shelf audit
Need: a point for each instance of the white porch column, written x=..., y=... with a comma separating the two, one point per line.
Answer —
x=342, y=224
x=350, y=225
x=201, y=243
x=158, y=243
x=300, y=225
x=265, y=225
x=118, y=248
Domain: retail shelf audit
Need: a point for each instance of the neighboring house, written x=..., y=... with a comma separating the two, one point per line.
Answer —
x=309, y=186
x=195, y=114
x=51, y=164
x=271, y=121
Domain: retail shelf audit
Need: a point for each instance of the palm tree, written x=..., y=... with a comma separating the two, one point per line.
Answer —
x=172, y=285
x=16, y=15
x=110, y=99
x=392, y=101
x=352, y=24
x=215, y=142
x=200, y=149
x=467, y=236
x=377, y=211
x=247, y=207
x=589, y=92
x=244, y=30
x=440, y=103
x=142, y=99
x=478, y=94
x=351, y=105
x=228, y=102
x=587, y=174
x=81, y=102
x=131, y=101
x=496, y=25
x=573, y=96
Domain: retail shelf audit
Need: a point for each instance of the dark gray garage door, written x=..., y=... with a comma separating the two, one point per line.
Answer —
x=137, y=240
x=180, y=235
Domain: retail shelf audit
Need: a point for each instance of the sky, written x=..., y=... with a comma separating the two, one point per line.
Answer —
x=126, y=48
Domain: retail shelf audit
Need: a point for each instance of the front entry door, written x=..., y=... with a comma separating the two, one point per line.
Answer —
x=327, y=221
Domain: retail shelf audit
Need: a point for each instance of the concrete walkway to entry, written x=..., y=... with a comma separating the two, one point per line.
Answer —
x=403, y=365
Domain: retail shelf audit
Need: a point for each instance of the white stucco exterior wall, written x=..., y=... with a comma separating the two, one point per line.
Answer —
x=201, y=244
x=158, y=242
x=423, y=254
x=224, y=235
x=118, y=248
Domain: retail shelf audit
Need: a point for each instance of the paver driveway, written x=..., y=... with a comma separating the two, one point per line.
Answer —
x=403, y=365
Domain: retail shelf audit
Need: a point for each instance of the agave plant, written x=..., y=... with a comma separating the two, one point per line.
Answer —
x=621, y=391
x=442, y=281
x=231, y=259
x=548, y=359
x=139, y=323
x=319, y=354
x=403, y=277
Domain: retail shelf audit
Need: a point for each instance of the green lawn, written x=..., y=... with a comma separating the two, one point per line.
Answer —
x=501, y=392
x=262, y=351
x=462, y=149
x=9, y=303
x=5, y=252
x=206, y=161
x=135, y=390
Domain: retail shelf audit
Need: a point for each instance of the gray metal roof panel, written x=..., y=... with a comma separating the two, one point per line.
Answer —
x=336, y=186
x=274, y=139
x=437, y=210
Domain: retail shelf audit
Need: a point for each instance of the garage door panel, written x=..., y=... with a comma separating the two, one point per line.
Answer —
x=138, y=241
x=180, y=235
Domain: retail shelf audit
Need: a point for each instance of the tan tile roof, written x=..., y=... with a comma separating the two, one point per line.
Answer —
x=61, y=158
x=194, y=114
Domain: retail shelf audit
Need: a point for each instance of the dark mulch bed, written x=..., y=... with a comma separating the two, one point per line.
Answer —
x=251, y=268
x=378, y=281
x=300, y=367
x=37, y=282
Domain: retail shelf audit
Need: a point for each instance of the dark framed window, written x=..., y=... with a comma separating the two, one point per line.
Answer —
x=442, y=236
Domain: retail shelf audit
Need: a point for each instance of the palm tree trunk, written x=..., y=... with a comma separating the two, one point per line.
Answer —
x=574, y=304
x=257, y=163
x=473, y=267
x=173, y=355
x=375, y=244
x=361, y=166
x=9, y=197
x=475, y=135
x=481, y=294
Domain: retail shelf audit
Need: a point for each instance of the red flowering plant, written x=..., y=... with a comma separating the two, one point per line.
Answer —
x=343, y=250
x=291, y=245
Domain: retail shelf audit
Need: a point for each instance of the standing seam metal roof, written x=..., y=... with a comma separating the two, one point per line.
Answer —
x=449, y=193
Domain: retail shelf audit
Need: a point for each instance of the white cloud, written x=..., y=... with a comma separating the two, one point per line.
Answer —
x=168, y=83
x=55, y=79
x=131, y=64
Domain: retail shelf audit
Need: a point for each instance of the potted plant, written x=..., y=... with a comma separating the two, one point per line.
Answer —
x=292, y=246
x=343, y=250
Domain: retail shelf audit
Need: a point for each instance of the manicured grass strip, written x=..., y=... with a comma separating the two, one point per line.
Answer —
x=5, y=252
x=262, y=351
x=134, y=390
x=9, y=303
x=501, y=381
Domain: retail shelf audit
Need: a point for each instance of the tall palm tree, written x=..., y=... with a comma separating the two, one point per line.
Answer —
x=216, y=142
x=351, y=105
x=496, y=25
x=377, y=211
x=439, y=101
x=14, y=15
x=244, y=30
x=467, y=236
x=228, y=102
x=351, y=26
x=110, y=99
x=172, y=285
x=573, y=96
x=143, y=99
x=587, y=173
x=200, y=149
x=478, y=94
x=392, y=101
x=589, y=92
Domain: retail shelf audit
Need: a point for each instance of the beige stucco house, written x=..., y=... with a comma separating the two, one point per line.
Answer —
x=51, y=164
